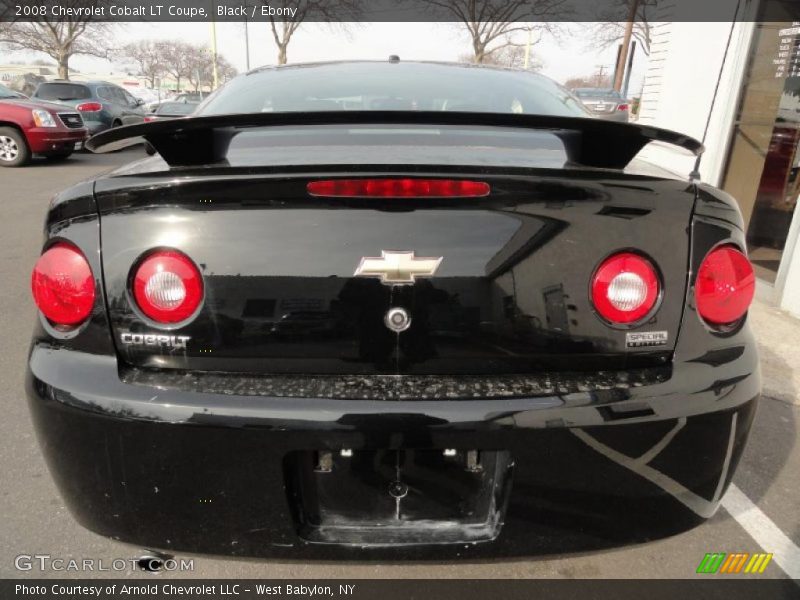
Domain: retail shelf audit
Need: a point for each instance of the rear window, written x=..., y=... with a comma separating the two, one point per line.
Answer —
x=386, y=86
x=387, y=145
x=7, y=92
x=62, y=91
x=112, y=94
x=597, y=93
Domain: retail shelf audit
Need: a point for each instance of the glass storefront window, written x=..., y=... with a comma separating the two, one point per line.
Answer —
x=762, y=170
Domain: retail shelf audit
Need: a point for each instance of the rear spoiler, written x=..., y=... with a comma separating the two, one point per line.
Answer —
x=204, y=140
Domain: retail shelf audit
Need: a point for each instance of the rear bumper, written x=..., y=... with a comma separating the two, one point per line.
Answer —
x=618, y=115
x=209, y=472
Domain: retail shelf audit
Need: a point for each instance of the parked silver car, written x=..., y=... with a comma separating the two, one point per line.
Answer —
x=605, y=103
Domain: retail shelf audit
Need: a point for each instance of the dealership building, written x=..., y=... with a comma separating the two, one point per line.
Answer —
x=736, y=85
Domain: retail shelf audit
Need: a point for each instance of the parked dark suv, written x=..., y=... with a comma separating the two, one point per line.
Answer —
x=101, y=104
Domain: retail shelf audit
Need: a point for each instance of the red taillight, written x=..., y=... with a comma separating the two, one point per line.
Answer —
x=89, y=107
x=63, y=285
x=725, y=286
x=168, y=286
x=149, y=119
x=398, y=188
x=623, y=107
x=625, y=288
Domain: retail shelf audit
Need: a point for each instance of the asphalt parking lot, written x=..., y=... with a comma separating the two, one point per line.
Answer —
x=35, y=521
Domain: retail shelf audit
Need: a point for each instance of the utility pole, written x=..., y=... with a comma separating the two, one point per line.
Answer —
x=246, y=45
x=214, y=52
x=600, y=72
x=626, y=41
x=528, y=48
x=213, y=25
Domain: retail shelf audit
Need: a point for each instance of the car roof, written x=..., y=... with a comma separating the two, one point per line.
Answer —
x=392, y=63
x=86, y=83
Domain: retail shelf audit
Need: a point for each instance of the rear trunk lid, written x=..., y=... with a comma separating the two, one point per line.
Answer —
x=511, y=294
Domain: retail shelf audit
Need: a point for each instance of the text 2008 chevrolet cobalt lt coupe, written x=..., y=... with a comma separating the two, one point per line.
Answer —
x=396, y=309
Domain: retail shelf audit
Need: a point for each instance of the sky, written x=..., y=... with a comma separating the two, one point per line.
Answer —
x=569, y=56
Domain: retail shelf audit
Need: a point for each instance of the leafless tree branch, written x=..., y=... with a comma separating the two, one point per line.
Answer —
x=325, y=11
x=150, y=57
x=610, y=28
x=61, y=39
x=487, y=21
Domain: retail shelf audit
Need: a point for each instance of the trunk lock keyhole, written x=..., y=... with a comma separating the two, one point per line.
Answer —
x=398, y=489
x=397, y=319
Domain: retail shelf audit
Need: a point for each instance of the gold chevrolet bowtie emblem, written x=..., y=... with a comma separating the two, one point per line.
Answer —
x=397, y=267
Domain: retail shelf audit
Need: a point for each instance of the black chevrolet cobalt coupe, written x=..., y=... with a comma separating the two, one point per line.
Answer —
x=392, y=309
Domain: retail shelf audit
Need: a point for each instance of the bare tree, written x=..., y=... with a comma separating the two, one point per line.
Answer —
x=512, y=56
x=328, y=11
x=200, y=67
x=181, y=60
x=225, y=70
x=201, y=71
x=150, y=56
x=610, y=28
x=492, y=22
x=282, y=33
x=60, y=40
x=507, y=56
